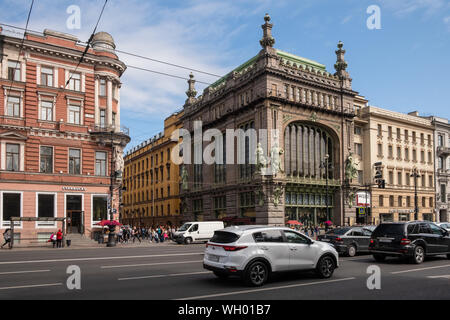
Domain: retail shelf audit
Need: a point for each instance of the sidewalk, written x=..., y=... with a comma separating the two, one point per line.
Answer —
x=93, y=245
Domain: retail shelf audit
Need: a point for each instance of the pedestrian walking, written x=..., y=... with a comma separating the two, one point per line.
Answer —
x=53, y=239
x=7, y=237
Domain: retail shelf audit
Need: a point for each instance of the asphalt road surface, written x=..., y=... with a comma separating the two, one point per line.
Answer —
x=170, y=271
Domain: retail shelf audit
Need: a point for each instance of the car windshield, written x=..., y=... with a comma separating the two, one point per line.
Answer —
x=338, y=231
x=389, y=230
x=224, y=237
x=185, y=226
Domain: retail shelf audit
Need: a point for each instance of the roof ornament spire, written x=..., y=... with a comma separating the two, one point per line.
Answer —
x=341, y=66
x=191, y=93
x=267, y=41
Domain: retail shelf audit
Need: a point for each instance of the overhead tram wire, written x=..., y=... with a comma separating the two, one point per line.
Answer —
x=138, y=56
x=166, y=74
x=87, y=44
x=21, y=45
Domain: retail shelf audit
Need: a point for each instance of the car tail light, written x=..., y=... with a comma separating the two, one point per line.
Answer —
x=338, y=240
x=404, y=242
x=372, y=241
x=233, y=248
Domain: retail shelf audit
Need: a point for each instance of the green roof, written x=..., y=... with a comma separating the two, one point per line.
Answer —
x=299, y=60
x=284, y=55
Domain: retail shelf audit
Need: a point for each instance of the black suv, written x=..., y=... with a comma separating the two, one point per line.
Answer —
x=413, y=240
x=349, y=240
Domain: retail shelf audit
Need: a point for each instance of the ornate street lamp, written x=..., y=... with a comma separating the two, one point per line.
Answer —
x=325, y=164
x=416, y=175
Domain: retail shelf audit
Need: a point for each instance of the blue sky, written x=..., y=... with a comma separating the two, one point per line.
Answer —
x=404, y=66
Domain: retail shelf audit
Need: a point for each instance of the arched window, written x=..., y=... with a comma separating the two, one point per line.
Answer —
x=306, y=147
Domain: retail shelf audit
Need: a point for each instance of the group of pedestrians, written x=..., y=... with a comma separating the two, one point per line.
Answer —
x=158, y=234
x=56, y=239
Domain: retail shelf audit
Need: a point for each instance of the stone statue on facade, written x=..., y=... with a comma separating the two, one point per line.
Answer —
x=277, y=193
x=184, y=178
x=351, y=172
x=261, y=161
x=275, y=155
x=118, y=160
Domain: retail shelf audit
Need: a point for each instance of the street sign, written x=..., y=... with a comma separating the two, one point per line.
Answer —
x=362, y=199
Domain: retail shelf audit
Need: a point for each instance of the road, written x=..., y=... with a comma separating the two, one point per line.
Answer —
x=169, y=271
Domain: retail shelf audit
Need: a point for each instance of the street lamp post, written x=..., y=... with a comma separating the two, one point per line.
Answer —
x=416, y=175
x=326, y=165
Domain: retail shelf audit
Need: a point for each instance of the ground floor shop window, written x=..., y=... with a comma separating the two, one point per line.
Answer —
x=46, y=208
x=403, y=217
x=99, y=208
x=427, y=216
x=386, y=217
x=11, y=207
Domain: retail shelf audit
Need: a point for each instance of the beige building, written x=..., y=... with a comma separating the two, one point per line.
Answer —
x=401, y=143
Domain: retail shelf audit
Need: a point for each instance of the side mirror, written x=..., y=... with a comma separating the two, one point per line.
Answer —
x=310, y=242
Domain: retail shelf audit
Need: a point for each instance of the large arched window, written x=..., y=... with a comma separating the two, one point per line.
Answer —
x=305, y=149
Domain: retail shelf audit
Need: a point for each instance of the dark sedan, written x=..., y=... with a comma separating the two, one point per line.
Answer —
x=349, y=240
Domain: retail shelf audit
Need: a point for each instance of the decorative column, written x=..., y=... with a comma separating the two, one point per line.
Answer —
x=97, y=107
x=109, y=103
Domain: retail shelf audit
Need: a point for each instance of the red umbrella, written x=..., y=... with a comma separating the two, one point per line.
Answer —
x=108, y=223
x=294, y=222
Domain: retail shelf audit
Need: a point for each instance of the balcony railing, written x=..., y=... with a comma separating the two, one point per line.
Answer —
x=107, y=129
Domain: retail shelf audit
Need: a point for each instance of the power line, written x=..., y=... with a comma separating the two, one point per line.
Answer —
x=165, y=74
x=168, y=63
x=138, y=56
x=88, y=43
x=21, y=45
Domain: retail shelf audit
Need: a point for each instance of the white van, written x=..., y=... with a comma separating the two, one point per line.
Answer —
x=197, y=231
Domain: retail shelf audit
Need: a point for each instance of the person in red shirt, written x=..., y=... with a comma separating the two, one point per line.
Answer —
x=59, y=237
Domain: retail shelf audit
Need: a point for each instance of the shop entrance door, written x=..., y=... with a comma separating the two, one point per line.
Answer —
x=74, y=214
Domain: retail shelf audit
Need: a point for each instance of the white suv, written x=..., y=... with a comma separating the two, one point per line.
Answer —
x=253, y=252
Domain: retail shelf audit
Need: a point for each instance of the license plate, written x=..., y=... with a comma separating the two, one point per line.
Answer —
x=213, y=258
x=385, y=240
x=326, y=240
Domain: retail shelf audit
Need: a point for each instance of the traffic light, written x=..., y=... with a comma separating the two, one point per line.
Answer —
x=379, y=175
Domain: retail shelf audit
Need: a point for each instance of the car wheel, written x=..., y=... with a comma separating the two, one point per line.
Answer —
x=325, y=267
x=418, y=255
x=188, y=241
x=379, y=257
x=221, y=275
x=351, y=251
x=256, y=274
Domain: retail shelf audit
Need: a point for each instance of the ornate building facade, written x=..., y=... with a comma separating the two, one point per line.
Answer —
x=60, y=138
x=398, y=145
x=152, y=180
x=308, y=114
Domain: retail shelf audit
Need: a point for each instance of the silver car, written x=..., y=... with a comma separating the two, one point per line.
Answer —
x=254, y=252
x=445, y=225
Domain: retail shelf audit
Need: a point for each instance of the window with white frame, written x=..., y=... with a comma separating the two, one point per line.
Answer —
x=47, y=110
x=74, y=161
x=11, y=206
x=12, y=157
x=102, y=91
x=74, y=114
x=47, y=76
x=102, y=118
x=99, y=208
x=100, y=163
x=75, y=81
x=14, y=70
x=13, y=106
x=46, y=155
x=46, y=208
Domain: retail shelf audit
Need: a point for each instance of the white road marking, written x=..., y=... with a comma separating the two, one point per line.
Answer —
x=33, y=286
x=20, y=272
x=264, y=289
x=447, y=276
x=103, y=258
x=164, y=275
x=421, y=269
x=149, y=264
